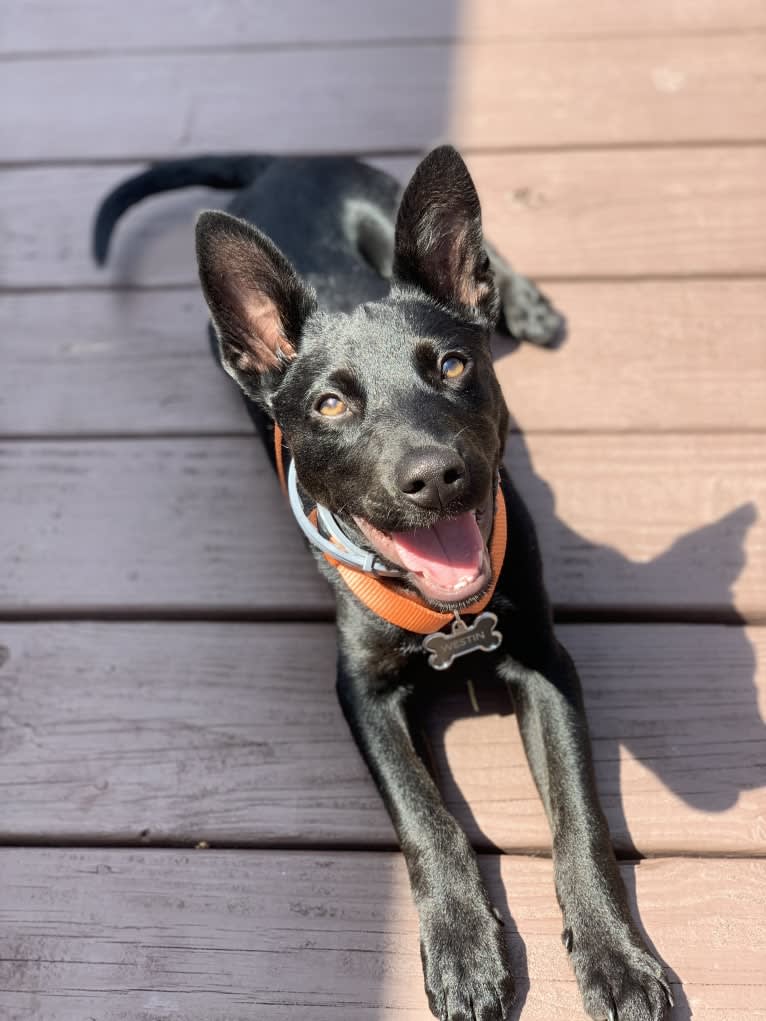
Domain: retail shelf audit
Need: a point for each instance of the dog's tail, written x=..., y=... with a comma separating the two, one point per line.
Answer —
x=227, y=172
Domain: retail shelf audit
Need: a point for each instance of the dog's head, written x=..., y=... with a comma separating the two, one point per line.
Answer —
x=393, y=413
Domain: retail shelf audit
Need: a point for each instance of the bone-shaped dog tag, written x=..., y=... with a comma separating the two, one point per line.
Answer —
x=462, y=639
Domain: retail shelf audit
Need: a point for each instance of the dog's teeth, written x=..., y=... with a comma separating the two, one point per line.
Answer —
x=462, y=584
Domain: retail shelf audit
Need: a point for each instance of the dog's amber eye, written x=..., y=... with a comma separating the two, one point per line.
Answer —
x=331, y=406
x=452, y=367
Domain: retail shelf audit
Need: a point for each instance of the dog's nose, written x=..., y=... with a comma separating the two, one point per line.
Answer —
x=432, y=477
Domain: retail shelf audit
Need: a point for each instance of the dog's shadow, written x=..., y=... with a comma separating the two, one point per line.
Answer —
x=654, y=738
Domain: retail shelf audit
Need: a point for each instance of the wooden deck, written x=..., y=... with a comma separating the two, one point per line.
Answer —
x=166, y=647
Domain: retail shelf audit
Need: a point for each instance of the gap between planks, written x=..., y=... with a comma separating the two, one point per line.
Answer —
x=89, y=841
x=405, y=152
x=543, y=279
x=393, y=43
x=246, y=432
x=702, y=616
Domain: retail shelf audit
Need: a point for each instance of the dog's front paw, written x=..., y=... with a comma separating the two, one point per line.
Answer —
x=465, y=963
x=618, y=978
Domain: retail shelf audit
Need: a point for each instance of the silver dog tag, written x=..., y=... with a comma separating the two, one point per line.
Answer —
x=462, y=639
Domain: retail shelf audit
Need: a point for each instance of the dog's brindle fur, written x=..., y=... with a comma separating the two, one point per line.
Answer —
x=378, y=344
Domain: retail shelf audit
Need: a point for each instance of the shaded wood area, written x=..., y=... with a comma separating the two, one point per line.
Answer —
x=232, y=935
x=166, y=646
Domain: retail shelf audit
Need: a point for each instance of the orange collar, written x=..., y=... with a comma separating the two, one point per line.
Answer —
x=386, y=599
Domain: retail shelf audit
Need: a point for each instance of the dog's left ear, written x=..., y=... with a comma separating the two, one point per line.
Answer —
x=257, y=301
x=439, y=245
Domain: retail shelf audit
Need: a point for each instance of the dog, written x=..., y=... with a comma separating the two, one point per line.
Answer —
x=356, y=321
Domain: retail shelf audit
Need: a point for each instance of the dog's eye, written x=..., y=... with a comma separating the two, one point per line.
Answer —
x=331, y=406
x=452, y=367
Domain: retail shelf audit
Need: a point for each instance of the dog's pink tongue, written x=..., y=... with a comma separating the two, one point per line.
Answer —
x=449, y=554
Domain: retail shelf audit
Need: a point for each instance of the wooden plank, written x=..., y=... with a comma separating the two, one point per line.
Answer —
x=488, y=94
x=519, y=19
x=127, y=362
x=668, y=707
x=576, y=214
x=150, y=526
x=635, y=523
x=659, y=355
x=627, y=214
x=219, y=935
x=54, y=250
x=45, y=26
x=178, y=733
x=643, y=523
x=651, y=356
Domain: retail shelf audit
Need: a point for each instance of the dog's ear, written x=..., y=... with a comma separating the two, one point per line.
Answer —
x=257, y=301
x=439, y=245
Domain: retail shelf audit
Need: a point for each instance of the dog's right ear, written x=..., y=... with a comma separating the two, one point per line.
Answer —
x=257, y=301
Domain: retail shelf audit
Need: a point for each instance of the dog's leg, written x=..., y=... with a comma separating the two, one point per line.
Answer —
x=373, y=234
x=462, y=945
x=525, y=312
x=618, y=977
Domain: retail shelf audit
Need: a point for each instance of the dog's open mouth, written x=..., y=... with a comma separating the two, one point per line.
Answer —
x=448, y=562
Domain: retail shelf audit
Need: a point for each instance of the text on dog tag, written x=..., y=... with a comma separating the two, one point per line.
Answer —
x=463, y=638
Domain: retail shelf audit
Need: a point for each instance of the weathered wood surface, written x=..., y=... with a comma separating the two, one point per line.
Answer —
x=651, y=356
x=490, y=94
x=231, y=935
x=176, y=733
x=156, y=525
x=645, y=523
x=186, y=730
x=622, y=213
x=645, y=356
x=553, y=214
x=79, y=26
x=189, y=730
x=48, y=26
x=649, y=523
x=130, y=362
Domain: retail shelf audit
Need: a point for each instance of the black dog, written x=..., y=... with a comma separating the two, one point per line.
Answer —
x=380, y=379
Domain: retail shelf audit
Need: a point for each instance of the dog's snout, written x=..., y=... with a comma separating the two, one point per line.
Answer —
x=432, y=477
